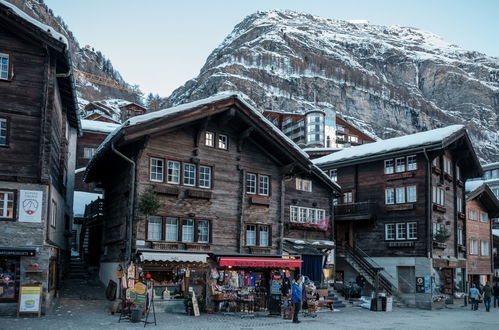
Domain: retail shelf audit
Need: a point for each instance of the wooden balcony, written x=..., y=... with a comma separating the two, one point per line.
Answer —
x=355, y=211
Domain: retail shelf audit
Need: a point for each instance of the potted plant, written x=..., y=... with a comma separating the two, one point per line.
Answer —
x=440, y=237
x=148, y=202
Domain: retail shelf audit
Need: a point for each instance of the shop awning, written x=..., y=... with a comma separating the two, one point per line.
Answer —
x=259, y=262
x=173, y=257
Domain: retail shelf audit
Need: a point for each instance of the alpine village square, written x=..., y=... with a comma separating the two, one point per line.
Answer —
x=280, y=186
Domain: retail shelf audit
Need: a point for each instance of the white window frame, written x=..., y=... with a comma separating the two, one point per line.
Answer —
x=5, y=207
x=484, y=248
x=438, y=195
x=390, y=232
x=88, y=153
x=447, y=165
x=171, y=229
x=223, y=142
x=302, y=215
x=154, y=169
x=304, y=184
x=400, y=229
x=267, y=231
x=459, y=203
x=411, y=163
x=203, y=234
x=293, y=213
x=189, y=175
x=312, y=216
x=389, y=166
x=188, y=230
x=389, y=196
x=4, y=68
x=333, y=174
x=209, y=139
x=348, y=197
x=400, y=167
x=412, y=194
x=152, y=228
x=251, y=183
x=3, y=131
x=173, y=172
x=484, y=217
x=460, y=236
x=251, y=235
x=400, y=195
x=53, y=214
x=263, y=185
x=205, y=178
x=412, y=231
x=474, y=245
x=473, y=214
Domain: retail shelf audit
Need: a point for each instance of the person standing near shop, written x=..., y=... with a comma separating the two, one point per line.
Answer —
x=496, y=294
x=296, y=293
x=487, y=295
x=474, y=294
x=361, y=282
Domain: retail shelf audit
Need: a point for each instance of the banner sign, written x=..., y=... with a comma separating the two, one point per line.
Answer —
x=30, y=206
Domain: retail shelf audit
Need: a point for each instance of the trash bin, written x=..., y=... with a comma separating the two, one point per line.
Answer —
x=135, y=315
x=374, y=304
x=383, y=304
x=379, y=305
x=389, y=304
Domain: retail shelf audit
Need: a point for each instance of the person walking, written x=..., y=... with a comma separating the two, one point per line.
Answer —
x=487, y=295
x=474, y=294
x=496, y=294
x=296, y=295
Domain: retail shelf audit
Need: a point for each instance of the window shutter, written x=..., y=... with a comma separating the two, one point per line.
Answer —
x=257, y=234
x=210, y=228
x=179, y=225
x=270, y=235
x=195, y=228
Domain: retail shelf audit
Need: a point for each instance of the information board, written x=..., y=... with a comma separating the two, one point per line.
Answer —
x=30, y=299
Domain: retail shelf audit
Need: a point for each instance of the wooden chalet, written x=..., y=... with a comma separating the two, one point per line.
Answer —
x=227, y=182
x=402, y=212
x=38, y=128
x=481, y=206
x=112, y=111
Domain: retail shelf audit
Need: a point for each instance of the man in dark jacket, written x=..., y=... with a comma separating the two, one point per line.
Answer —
x=487, y=296
x=296, y=295
x=496, y=294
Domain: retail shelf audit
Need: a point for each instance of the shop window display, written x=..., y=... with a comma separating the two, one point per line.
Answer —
x=9, y=274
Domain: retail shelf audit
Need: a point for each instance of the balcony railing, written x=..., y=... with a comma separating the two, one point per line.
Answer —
x=355, y=211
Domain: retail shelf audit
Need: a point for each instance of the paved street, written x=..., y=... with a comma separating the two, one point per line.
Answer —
x=94, y=314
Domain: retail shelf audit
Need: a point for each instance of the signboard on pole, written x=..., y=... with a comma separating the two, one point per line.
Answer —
x=30, y=205
x=30, y=298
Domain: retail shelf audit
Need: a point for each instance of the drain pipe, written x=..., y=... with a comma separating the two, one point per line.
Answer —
x=429, y=241
x=129, y=230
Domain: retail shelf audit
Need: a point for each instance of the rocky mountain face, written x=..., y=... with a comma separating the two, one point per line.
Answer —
x=85, y=58
x=390, y=80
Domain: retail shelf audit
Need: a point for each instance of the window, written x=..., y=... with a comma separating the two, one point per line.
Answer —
x=187, y=230
x=401, y=233
x=154, y=225
x=484, y=247
x=303, y=215
x=156, y=171
x=303, y=184
x=312, y=216
x=203, y=231
x=264, y=185
x=9, y=278
x=447, y=166
x=4, y=66
x=333, y=174
x=459, y=204
x=222, y=141
x=353, y=138
x=306, y=215
x=400, y=195
x=400, y=164
x=251, y=235
x=251, y=183
x=171, y=229
x=473, y=214
x=411, y=163
x=3, y=132
x=484, y=217
x=474, y=246
x=460, y=237
x=438, y=227
x=263, y=235
x=458, y=172
x=189, y=174
x=53, y=214
x=88, y=153
x=209, y=139
x=389, y=196
x=438, y=195
x=321, y=215
x=389, y=166
x=412, y=230
x=411, y=194
x=434, y=162
x=205, y=176
x=7, y=204
x=348, y=198
x=293, y=214
x=390, y=231
x=173, y=172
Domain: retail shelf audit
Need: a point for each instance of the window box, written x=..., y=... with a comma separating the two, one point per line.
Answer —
x=400, y=207
x=164, y=246
x=260, y=201
x=436, y=170
x=460, y=183
x=462, y=248
x=439, y=208
x=439, y=245
x=174, y=191
x=196, y=247
x=199, y=194
x=461, y=215
x=448, y=177
x=397, y=176
x=401, y=244
x=259, y=250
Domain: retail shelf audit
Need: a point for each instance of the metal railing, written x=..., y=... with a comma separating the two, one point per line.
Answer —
x=355, y=208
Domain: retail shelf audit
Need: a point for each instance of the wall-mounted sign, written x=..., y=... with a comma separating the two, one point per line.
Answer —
x=17, y=252
x=30, y=206
x=30, y=299
x=420, y=284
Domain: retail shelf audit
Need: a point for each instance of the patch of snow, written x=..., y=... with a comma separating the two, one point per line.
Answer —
x=98, y=126
x=81, y=199
x=81, y=169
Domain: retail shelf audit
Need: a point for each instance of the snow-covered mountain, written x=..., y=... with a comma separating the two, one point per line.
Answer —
x=390, y=80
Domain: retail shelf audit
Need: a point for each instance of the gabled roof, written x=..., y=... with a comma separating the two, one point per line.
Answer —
x=486, y=197
x=139, y=126
x=430, y=140
x=98, y=126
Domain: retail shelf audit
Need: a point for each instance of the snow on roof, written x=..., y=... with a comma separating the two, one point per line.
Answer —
x=490, y=166
x=495, y=232
x=45, y=28
x=81, y=199
x=98, y=126
x=393, y=144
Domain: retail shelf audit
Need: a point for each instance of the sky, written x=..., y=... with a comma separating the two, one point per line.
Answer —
x=160, y=44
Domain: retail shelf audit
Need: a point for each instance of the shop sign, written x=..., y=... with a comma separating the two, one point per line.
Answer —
x=30, y=299
x=30, y=206
x=17, y=252
x=423, y=284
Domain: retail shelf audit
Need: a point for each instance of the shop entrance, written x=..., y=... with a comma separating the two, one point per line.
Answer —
x=344, y=233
